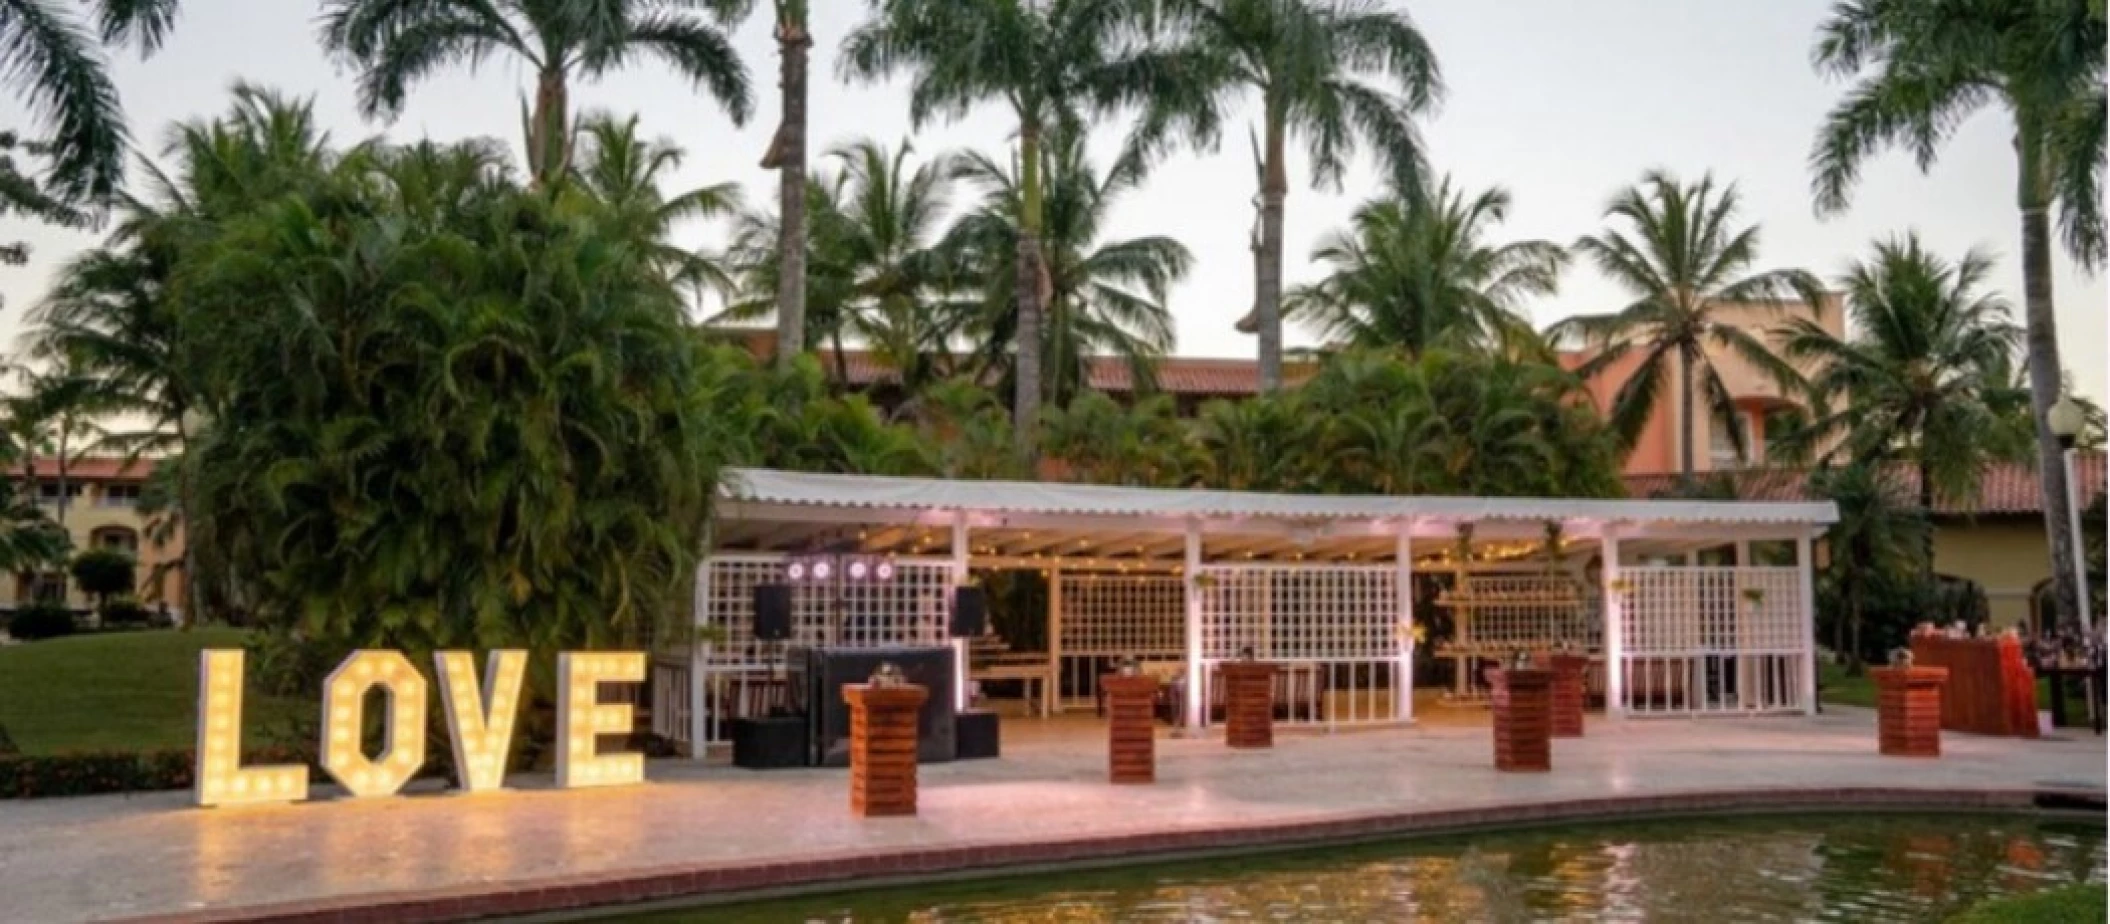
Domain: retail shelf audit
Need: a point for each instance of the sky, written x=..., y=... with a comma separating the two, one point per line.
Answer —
x=1561, y=103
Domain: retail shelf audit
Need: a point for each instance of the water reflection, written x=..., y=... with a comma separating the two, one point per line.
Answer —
x=1858, y=869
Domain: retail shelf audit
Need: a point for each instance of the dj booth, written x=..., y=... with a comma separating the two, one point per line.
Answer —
x=812, y=729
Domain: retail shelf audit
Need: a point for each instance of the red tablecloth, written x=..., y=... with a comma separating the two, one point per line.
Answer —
x=1991, y=690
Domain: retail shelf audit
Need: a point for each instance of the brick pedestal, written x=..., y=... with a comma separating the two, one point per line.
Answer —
x=1131, y=728
x=1909, y=710
x=883, y=748
x=1249, y=703
x=1523, y=706
x=1568, y=672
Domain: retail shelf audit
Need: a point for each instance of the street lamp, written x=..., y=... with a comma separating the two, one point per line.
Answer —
x=2067, y=419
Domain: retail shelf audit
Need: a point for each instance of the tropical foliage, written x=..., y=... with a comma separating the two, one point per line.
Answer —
x=1680, y=251
x=1920, y=69
x=396, y=45
x=1415, y=272
x=1052, y=65
x=1340, y=75
x=1913, y=379
x=54, y=67
x=1101, y=298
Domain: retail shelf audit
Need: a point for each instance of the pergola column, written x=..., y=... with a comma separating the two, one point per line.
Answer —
x=960, y=551
x=1052, y=694
x=699, y=657
x=1195, y=679
x=1403, y=683
x=1614, y=627
x=1806, y=571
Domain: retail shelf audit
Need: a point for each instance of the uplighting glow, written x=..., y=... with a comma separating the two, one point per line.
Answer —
x=821, y=570
x=796, y=571
x=858, y=568
x=344, y=714
x=884, y=570
x=221, y=778
x=583, y=717
x=481, y=727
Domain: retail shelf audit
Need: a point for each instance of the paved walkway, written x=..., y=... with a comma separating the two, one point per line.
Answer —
x=125, y=856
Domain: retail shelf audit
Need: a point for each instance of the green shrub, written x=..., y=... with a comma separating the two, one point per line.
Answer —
x=2079, y=903
x=40, y=621
x=91, y=772
x=124, y=611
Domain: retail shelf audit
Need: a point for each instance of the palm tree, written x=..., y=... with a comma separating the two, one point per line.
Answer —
x=55, y=68
x=787, y=155
x=1260, y=444
x=1921, y=68
x=1912, y=379
x=1339, y=73
x=1412, y=272
x=394, y=44
x=1052, y=63
x=1100, y=297
x=1103, y=442
x=1874, y=537
x=619, y=176
x=876, y=266
x=1684, y=259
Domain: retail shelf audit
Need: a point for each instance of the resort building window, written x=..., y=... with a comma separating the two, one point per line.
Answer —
x=119, y=495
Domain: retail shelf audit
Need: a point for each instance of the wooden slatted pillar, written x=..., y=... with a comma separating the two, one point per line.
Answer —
x=883, y=748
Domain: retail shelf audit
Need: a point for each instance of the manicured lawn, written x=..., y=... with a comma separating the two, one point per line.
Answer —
x=121, y=691
x=1835, y=687
x=2084, y=903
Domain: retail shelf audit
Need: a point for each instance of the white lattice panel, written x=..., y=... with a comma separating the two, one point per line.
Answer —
x=1318, y=613
x=1120, y=615
x=911, y=609
x=1503, y=612
x=1714, y=610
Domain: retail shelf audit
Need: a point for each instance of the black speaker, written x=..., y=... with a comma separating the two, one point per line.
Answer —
x=769, y=743
x=772, y=612
x=976, y=731
x=970, y=612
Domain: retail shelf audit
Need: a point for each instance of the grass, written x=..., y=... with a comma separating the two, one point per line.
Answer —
x=2081, y=903
x=117, y=691
x=1834, y=687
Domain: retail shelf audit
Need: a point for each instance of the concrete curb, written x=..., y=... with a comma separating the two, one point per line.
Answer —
x=849, y=870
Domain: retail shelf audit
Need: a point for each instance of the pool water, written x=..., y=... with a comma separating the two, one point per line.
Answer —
x=1847, y=868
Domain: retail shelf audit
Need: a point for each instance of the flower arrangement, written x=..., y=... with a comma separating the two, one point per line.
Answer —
x=1622, y=585
x=1756, y=596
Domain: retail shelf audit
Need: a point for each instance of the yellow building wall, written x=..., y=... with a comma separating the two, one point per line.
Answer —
x=86, y=516
x=2006, y=555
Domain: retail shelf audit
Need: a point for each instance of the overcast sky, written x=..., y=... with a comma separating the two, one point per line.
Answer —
x=1563, y=103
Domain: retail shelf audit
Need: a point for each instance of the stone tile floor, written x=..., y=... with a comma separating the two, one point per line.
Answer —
x=121, y=856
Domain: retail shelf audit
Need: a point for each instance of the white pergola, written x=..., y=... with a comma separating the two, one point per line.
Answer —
x=1320, y=583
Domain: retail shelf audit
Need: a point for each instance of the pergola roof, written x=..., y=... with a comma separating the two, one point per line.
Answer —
x=1118, y=520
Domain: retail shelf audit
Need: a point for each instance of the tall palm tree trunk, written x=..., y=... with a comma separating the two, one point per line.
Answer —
x=788, y=156
x=1026, y=389
x=193, y=607
x=1926, y=475
x=1267, y=276
x=1685, y=415
x=2042, y=339
x=549, y=129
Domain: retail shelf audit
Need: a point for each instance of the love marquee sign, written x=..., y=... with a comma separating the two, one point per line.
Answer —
x=480, y=720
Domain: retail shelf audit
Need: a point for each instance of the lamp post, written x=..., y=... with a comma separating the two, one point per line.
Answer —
x=2067, y=420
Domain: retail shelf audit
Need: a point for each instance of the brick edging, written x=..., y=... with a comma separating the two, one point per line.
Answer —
x=853, y=868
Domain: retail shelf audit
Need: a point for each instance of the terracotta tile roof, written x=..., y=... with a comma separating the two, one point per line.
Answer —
x=2004, y=487
x=93, y=468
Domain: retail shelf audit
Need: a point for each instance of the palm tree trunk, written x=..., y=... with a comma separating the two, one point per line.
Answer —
x=1853, y=647
x=1026, y=373
x=1267, y=276
x=549, y=129
x=193, y=609
x=2042, y=340
x=1926, y=475
x=1685, y=415
x=793, y=47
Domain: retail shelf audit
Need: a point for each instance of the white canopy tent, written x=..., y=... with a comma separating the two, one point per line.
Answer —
x=1317, y=582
